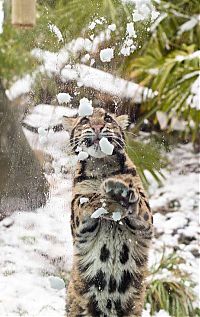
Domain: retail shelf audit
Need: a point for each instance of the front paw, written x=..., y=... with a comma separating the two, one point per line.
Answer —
x=120, y=192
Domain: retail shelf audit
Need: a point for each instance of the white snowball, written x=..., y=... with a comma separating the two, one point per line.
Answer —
x=85, y=107
x=126, y=51
x=100, y=211
x=131, y=30
x=112, y=27
x=106, y=54
x=83, y=200
x=106, y=146
x=56, y=282
x=63, y=98
x=116, y=215
x=82, y=156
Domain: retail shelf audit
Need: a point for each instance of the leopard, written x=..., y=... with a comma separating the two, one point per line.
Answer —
x=110, y=257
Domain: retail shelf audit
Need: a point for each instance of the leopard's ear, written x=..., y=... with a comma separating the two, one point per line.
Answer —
x=123, y=121
x=68, y=123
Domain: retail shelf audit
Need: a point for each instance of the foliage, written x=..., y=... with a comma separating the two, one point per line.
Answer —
x=147, y=156
x=171, y=293
x=168, y=65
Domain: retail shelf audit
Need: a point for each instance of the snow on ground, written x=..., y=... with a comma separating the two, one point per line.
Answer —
x=36, y=247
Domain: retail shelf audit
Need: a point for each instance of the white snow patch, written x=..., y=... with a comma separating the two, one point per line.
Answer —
x=99, y=212
x=106, y=54
x=85, y=107
x=188, y=25
x=63, y=98
x=106, y=146
x=112, y=27
x=20, y=87
x=54, y=29
x=83, y=200
x=131, y=30
x=82, y=156
x=56, y=282
x=116, y=216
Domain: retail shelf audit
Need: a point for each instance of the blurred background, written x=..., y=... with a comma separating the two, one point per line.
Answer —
x=135, y=57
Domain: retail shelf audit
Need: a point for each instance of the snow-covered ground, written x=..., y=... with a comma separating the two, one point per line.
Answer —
x=36, y=247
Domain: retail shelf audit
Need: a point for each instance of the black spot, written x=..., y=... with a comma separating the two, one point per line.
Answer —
x=82, y=241
x=105, y=253
x=125, y=282
x=122, y=312
x=142, y=194
x=90, y=229
x=124, y=254
x=152, y=219
x=146, y=216
x=121, y=160
x=77, y=221
x=147, y=204
x=82, y=268
x=109, y=304
x=99, y=280
x=129, y=224
x=137, y=281
x=118, y=307
x=112, y=284
x=93, y=308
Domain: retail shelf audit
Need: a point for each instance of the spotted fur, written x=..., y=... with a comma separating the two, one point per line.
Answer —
x=110, y=258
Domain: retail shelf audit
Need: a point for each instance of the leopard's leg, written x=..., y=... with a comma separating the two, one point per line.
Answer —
x=137, y=219
x=84, y=231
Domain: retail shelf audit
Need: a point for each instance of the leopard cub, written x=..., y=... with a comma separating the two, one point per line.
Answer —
x=111, y=249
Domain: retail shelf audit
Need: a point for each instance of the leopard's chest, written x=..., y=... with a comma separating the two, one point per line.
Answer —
x=110, y=268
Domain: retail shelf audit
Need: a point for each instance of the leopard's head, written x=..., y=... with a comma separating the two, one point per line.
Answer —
x=86, y=132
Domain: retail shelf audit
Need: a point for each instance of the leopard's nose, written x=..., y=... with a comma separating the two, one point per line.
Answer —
x=97, y=128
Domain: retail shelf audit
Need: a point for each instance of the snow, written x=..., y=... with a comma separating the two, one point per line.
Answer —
x=56, y=282
x=106, y=55
x=54, y=29
x=105, y=146
x=20, y=87
x=85, y=107
x=188, y=25
x=162, y=119
x=1, y=16
x=105, y=82
x=82, y=156
x=195, y=94
x=92, y=25
x=83, y=200
x=63, y=98
x=116, y=216
x=99, y=212
x=112, y=27
x=131, y=30
x=181, y=58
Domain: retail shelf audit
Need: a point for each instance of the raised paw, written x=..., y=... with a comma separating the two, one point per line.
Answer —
x=120, y=192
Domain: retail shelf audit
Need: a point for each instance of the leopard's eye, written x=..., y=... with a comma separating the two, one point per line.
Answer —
x=108, y=119
x=84, y=121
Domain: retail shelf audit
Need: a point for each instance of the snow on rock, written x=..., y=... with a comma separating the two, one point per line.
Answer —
x=106, y=147
x=106, y=82
x=83, y=200
x=99, y=212
x=85, y=107
x=116, y=216
x=106, y=55
x=56, y=282
x=82, y=156
x=63, y=98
